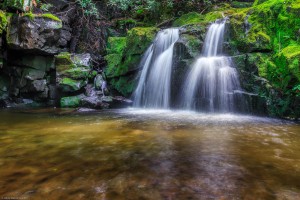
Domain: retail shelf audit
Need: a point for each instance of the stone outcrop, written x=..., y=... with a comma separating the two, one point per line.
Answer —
x=39, y=34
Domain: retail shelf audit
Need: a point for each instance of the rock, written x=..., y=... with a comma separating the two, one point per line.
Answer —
x=124, y=53
x=44, y=94
x=81, y=60
x=4, y=87
x=120, y=102
x=37, y=86
x=107, y=99
x=71, y=102
x=67, y=61
x=94, y=102
x=32, y=74
x=98, y=81
x=52, y=92
x=90, y=90
x=70, y=85
x=41, y=63
x=77, y=73
x=35, y=33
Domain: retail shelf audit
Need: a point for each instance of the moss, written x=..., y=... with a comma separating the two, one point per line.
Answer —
x=116, y=45
x=70, y=85
x=124, y=53
x=3, y=21
x=189, y=18
x=291, y=51
x=50, y=16
x=70, y=102
x=77, y=73
x=125, y=85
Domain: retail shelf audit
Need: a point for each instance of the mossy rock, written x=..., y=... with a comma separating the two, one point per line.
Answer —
x=71, y=102
x=78, y=73
x=189, y=18
x=70, y=85
x=124, y=54
x=290, y=57
x=124, y=85
x=116, y=45
x=139, y=39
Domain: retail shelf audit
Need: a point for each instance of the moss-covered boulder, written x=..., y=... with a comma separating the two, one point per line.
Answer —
x=124, y=54
x=70, y=85
x=289, y=57
x=71, y=102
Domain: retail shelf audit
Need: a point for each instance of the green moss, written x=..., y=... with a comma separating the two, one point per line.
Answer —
x=291, y=51
x=70, y=85
x=124, y=53
x=116, y=45
x=189, y=18
x=50, y=16
x=125, y=85
x=3, y=21
x=77, y=73
x=70, y=102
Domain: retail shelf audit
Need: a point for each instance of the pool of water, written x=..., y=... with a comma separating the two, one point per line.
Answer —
x=146, y=154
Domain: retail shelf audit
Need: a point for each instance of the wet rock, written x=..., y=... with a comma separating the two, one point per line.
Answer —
x=94, y=102
x=98, y=81
x=90, y=90
x=120, y=102
x=37, y=86
x=35, y=33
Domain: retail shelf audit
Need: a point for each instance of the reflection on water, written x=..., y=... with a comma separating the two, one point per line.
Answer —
x=142, y=154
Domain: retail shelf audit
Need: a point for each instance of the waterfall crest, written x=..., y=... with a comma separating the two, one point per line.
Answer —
x=153, y=90
x=211, y=83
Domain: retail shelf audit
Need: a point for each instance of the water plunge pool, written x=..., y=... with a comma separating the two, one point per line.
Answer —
x=147, y=154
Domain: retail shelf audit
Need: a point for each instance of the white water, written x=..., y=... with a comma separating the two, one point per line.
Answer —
x=153, y=90
x=212, y=81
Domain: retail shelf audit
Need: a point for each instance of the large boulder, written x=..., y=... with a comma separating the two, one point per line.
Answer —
x=36, y=34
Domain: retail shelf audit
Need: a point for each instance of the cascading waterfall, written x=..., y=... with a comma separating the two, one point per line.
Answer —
x=153, y=90
x=212, y=81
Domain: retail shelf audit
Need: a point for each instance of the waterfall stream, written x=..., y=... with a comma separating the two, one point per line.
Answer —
x=153, y=90
x=211, y=83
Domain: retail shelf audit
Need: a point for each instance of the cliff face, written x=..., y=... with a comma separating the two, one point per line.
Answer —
x=263, y=39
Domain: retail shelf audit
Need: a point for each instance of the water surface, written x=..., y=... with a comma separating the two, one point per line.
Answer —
x=147, y=154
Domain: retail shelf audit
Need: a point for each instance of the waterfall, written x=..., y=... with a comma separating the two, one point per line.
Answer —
x=211, y=83
x=153, y=90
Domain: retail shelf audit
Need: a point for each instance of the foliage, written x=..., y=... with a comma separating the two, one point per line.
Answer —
x=89, y=7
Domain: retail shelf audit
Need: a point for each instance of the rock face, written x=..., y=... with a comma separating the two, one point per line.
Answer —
x=41, y=34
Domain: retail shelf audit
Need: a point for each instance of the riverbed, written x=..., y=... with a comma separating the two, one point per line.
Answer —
x=146, y=154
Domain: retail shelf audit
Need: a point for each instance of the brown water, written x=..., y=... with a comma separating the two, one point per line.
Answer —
x=136, y=154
